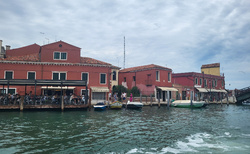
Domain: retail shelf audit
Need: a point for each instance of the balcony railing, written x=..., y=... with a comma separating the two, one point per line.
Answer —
x=148, y=82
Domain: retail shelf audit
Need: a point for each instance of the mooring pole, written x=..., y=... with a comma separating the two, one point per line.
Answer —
x=191, y=99
x=21, y=103
x=159, y=104
x=151, y=100
x=168, y=98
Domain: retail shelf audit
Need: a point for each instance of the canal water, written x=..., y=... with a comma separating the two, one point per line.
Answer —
x=213, y=129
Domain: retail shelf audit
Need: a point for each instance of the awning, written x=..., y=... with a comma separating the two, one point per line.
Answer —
x=99, y=89
x=57, y=88
x=202, y=90
x=167, y=88
x=217, y=91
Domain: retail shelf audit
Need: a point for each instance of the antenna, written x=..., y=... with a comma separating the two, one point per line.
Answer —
x=124, y=55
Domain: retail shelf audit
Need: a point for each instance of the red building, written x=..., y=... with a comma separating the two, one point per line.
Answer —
x=204, y=86
x=56, y=61
x=150, y=79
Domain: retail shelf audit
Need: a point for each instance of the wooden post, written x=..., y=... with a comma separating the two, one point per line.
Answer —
x=151, y=100
x=140, y=98
x=21, y=103
x=62, y=103
x=191, y=98
x=159, y=104
x=227, y=100
x=221, y=99
x=168, y=99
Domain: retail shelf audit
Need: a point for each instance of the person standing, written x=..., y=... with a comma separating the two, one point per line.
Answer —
x=131, y=97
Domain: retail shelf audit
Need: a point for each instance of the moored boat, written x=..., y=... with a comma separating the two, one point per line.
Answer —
x=187, y=104
x=134, y=105
x=116, y=105
x=100, y=106
x=247, y=102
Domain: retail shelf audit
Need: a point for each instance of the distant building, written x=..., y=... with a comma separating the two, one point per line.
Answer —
x=208, y=85
x=56, y=61
x=212, y=69
x=2, y=50
x=150, y=80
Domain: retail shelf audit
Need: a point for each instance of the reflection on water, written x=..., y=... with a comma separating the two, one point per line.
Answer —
x=213, y=129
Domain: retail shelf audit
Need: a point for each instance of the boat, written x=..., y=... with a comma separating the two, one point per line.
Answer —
x=134, y=105
x=187, y=104
x=247, y=102
x=100, y=106
x=116, y=105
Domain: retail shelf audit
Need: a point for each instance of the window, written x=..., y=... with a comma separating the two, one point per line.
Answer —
x=99, y=95
x=133, y=78
x=125, y=79
x=200, y=81
x=169, y=77
x=196, y=81
x=222, y=83
x=114, y=75
x=215, y=83
x=85, y=77
x=60, y=55
x=205, y=82
x=6, y=91
x=103, y=79
x=31, y=75
x=84, y=92
x=212, y=83
x=157, y=76
x=8, y=75
x=59, y=76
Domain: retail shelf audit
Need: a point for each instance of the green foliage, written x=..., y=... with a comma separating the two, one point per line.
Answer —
x=119, y=90
x=135, y=91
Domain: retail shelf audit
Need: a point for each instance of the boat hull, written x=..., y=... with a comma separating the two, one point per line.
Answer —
x=116, y=105
x=134, y=105
x=187, y=104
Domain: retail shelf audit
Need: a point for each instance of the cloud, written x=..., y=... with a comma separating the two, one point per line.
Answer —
x=181, y=35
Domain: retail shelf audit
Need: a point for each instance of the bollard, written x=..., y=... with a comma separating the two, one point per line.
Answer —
x=62, y=104
x=21, y=103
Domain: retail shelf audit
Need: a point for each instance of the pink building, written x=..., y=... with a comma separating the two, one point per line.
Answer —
x=150, y=79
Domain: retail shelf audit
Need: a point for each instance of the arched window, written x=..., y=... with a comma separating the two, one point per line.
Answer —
x=114, y=75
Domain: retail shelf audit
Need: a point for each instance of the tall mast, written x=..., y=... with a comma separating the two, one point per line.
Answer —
x=124, y=55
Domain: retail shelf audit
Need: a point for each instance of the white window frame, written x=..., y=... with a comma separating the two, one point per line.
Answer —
x=60, y=55
x=8, y=71
x=87, y=75
x=85, y=90
x=169, y=76
x=59, y=74
x=105, y=78
x=6, y=89
x=196, y=81
x=158, y=75
x=31, y=72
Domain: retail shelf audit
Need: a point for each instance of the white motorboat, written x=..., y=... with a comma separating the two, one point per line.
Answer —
x=134, y=105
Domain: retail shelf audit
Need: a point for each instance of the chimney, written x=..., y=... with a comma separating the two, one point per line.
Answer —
x=1, y=42
x=7, y=47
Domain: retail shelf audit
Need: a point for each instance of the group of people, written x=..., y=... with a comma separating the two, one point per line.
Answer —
x=123, y=97
x=9, y=99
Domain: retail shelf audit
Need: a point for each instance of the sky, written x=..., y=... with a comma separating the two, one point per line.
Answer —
x=178, y=34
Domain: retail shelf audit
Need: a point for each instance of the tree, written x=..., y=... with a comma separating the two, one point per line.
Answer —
x=135, y=91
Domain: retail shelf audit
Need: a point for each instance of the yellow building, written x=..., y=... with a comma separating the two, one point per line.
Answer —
x=213, y=69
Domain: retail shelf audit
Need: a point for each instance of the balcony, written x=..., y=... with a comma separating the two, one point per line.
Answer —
x=148, y=82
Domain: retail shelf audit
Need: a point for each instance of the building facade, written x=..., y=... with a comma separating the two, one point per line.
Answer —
x=150, y=79
x=204, y=86
x=56, y=61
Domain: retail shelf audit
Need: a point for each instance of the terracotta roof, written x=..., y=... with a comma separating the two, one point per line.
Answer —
x=87, y=60
x=30, y=49
x=211, y=65
x=144, y=67
x=31, y=57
